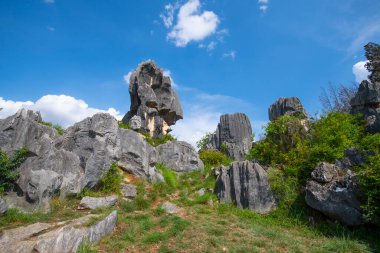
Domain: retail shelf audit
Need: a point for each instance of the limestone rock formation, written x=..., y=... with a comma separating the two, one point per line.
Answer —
x=47, y=170
x=286, y=106
x=66, y=164
x=246, y=185
x=153, y=100
x=367, y=102
x=334, y=192
x=60, y=237
x=233, y=136
x=95, y=203
x=179, y=156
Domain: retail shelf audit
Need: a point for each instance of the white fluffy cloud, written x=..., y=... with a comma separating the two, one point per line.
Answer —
x=193, y=24
x=59, y=109
x=263, y=5
x=360, y=71
x=231, y=54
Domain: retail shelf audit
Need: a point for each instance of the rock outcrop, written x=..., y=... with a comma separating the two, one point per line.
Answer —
x=154, y=104
x=334, y=192
x=367, y=102
x=95, y=203
x=179, y=156
x=66, y=164
x=246, y=185
x=232, y=136
x=286, y=106
x=60, y=237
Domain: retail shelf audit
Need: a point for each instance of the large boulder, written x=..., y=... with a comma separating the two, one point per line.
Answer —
x=58, y=237
x=246, y=185
x=66, y=164
x=179, y=156
x=334, y=192
x=286, y=106
x=153, y=100
x=367, y=103
x=232, y=136
x=47, y=169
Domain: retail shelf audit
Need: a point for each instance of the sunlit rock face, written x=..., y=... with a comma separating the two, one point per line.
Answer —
x=153, y=101
x=367, y=103
x=286, y=106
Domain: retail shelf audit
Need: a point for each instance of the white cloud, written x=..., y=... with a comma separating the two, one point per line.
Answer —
x=360, y=71
x=363, y=34
x=263, y=1
x=49, y=1
x=192, y=24
x=127, y=77
x=209, y=47
x=264, y=8
x=168, y=16
x=59, y=109
x=231, y=54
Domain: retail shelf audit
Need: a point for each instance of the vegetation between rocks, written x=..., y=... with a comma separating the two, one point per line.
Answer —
x=8, y=166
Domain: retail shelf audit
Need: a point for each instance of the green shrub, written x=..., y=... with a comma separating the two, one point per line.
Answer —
x=369, y=177
x=158, y=141
x=60, y=130
x=201, y=144
x=293, y=148
x=170, y=176
x=223, y=148
x=214, y=158
x=8, y=166
x=111, y=181
x=123, y=125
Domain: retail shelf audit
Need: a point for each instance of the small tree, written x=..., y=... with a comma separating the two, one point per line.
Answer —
x=337, y=98
x=372, y=52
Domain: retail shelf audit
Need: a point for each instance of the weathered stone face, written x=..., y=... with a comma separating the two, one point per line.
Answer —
x=179, y=156
x=66, y=164
x=333, y=191
x=286, y=106
x=153, y=100
x=246, y=185
x=234, y=135
x=367, y=102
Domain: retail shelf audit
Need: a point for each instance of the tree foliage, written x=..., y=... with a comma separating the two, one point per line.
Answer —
x=372, y=53
x=8, y=166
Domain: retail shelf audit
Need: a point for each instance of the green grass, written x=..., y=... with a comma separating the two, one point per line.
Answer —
x=60, y=130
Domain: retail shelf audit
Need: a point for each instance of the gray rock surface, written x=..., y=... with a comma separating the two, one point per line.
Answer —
x=234, y=133
x=334, y=192
x=47, y=167
x=95, y=203
x=286, y=106
x=66, y=164
x=135, y=123
x=3, y=207
x=324, y=172
x=367, y=102
x=153, y=100
x=170, y=208
x=129, y=191
x=179, y=156
x=246, y=185
x=56, y=238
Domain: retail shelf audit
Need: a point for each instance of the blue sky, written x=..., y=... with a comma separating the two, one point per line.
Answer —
x=68, y=58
